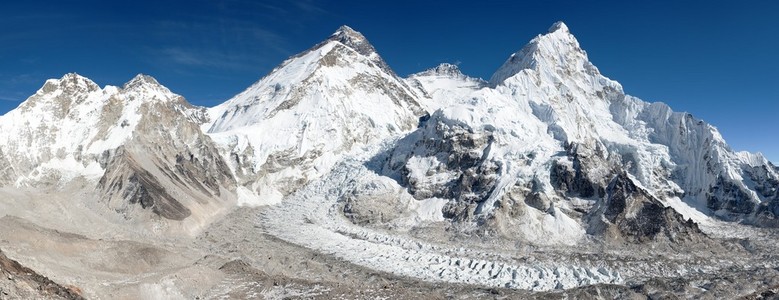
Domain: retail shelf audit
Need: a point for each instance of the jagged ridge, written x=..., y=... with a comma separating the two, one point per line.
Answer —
x=557, y=128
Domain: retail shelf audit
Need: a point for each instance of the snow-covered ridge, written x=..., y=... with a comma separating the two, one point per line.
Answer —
x=293, y=125
x=138, y=148
x=557, y=52
x=444, y=69
x=68, y=123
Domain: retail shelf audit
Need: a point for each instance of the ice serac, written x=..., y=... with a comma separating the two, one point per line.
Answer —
x=294, y=123
x=137, y=146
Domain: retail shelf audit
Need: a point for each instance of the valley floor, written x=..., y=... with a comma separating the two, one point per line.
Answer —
x=306, y=249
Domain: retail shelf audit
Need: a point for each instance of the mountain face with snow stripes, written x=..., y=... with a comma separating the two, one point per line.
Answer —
x=548, y=149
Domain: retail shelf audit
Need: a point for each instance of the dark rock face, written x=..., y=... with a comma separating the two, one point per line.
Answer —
x=630, y=213
x=767, y=214
x=766, y=185
x=575, y=179
x=755, y=200
x=539, y=201
x=144, y=190
x=138, y=186
x=460, y=153
x=726, y=195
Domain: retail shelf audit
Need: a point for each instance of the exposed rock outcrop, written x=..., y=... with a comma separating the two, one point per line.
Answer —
x=168, y=158
x=20, y=282
x=447, y=159
x=630, y=213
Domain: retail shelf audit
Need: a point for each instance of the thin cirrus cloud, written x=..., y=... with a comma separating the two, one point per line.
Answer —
x=9, y=99
x=19, y=78
x=9, y=84
x=288, y=12
x=218, y=42
x=205, y=58
x=309, y=6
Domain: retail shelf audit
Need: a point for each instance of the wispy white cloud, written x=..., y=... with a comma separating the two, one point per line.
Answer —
x=210, y=58
x=184, y=57
x=309, y=6
x=20, y=79
x=240, y=35
x=291, y=12
x=16, y=87
x=10, y=99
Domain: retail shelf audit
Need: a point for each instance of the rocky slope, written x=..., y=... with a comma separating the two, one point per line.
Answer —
x=169, y=165
x=19, y=282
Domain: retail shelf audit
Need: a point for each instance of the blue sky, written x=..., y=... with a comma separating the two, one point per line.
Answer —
x=715, y=59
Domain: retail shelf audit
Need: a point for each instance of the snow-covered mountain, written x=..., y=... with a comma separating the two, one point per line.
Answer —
x=294, y=124
x=539, y=146
x=532, y=150
x=139, y=146
x=546, y=177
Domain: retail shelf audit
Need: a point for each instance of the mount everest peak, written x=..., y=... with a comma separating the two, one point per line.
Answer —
x=353, y=39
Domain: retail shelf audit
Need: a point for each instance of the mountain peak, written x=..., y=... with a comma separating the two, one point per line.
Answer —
x=348, y=31
x=146, y=84
x=141, y=80
x=353, y=39
x=444, y=69
x=559, y=26
x=70, y=82
x=556, y=52
x=76, y=79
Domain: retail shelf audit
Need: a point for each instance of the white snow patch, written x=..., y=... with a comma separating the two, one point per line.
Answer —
x=245, y=197
x=429, y=210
